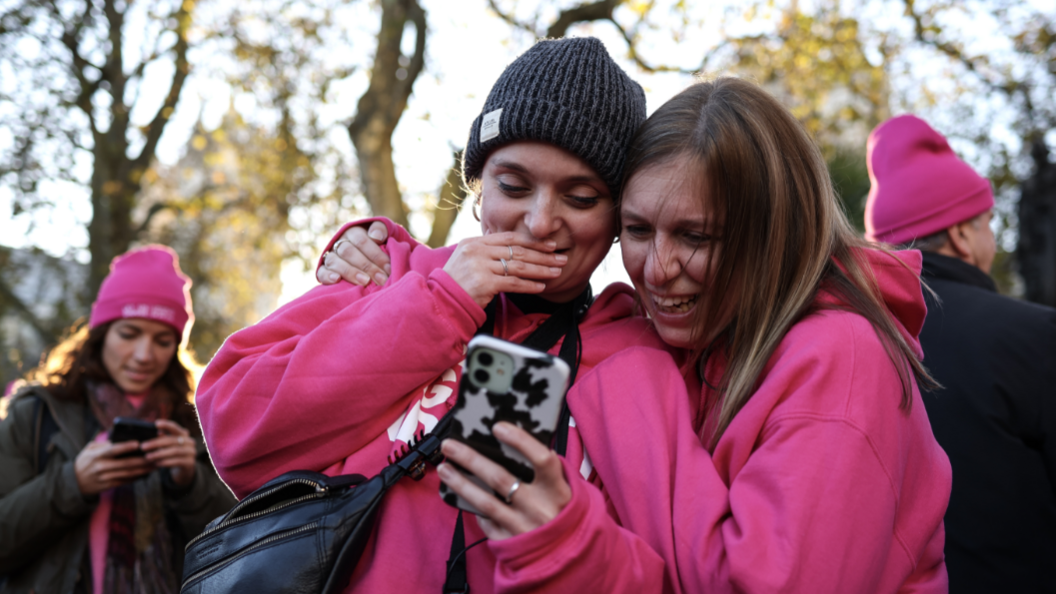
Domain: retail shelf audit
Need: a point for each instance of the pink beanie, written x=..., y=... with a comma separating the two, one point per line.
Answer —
x=145, y=283
x=919, y=187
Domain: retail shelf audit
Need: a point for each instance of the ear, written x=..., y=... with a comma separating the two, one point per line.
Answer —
x=959, y=241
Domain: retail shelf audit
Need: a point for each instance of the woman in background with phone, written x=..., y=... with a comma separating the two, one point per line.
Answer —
x=84, y=514
x=806, y=462
x=341, y=378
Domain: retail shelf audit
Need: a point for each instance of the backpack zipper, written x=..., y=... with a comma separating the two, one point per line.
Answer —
x=320, y=491
x=249, y=550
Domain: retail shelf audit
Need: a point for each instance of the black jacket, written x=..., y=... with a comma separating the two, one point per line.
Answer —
x=996, y=419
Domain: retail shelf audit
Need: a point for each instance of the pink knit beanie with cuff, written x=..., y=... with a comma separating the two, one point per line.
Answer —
x=919, y=186
x=145, y=283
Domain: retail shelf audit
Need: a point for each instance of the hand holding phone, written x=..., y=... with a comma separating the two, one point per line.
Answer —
x=131, y=429
x=508, y=382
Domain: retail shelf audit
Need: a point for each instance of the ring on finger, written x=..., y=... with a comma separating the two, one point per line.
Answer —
x=505, y=268
x=179, y=440
x=513, y=489
x=510, y=247
x=337, y=245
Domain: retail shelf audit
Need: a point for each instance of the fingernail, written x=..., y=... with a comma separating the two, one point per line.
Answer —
x=380, y=279
x=500, y=430
x=555, y=270
x=332, y=277
x=362, y=279
x=376, y=235
x=444, y=470
x=561, y=258
x=550, y=243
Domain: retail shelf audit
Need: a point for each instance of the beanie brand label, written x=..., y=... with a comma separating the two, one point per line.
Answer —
x=489, y=126
x=145, y=310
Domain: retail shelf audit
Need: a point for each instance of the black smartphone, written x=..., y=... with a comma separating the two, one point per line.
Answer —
x=131, y=429
x=508, y=382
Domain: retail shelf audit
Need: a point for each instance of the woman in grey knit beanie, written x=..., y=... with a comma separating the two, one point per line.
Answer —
x=546, y=156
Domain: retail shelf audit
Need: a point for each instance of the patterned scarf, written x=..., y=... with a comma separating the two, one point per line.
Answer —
x=139, y=553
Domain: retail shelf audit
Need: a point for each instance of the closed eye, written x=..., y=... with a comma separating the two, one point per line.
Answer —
x=508, y=189
x=637, y=230
x=584, y=201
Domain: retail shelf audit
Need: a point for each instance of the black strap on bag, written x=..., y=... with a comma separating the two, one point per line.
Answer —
x=302, y=531
x=563, y=322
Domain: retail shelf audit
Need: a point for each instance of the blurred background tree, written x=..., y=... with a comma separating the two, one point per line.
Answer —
x=244, y=134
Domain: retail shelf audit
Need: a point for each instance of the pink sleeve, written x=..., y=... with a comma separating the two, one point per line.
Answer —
x=811, y=509
x=324, y=375
x=581, y=550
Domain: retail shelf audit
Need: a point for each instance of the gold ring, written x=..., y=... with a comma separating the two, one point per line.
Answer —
x=513, y=489
x=505, y=268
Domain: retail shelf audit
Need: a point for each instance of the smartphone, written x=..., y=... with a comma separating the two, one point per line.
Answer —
x=503, y=381
x=130, y=429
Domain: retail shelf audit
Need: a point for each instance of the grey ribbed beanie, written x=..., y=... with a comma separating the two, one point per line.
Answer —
x=567, y=92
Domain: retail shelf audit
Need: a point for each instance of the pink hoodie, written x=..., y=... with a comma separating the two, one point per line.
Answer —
x=340, y=378
x=820, y=484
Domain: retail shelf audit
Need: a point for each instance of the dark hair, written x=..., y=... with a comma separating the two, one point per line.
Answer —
x=785, y=235
x=67, y=368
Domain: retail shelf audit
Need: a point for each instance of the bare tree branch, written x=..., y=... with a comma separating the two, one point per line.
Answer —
x=183, y=68
x=511, y=20
x=596, y=11
x=977, y=65
x=9, y=296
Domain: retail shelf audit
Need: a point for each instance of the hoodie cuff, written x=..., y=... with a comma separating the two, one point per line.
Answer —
x=454, y=305
x=547, y=550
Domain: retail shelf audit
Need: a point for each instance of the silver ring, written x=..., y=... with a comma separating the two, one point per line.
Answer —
x=505, y=268
x=337, y=245
x=513, y=489
x=511, y=251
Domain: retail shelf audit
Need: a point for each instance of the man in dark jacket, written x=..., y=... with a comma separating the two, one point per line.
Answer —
x=996, y=357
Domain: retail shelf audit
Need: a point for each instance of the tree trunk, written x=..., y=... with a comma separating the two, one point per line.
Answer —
x=381, y=106
x=449, y=200
x=1036, y=251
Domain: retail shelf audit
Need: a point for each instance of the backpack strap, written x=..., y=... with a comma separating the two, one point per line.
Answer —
x=45, y=428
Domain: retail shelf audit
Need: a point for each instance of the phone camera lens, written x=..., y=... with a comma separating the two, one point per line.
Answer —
x=481, y=376
x=486, y=359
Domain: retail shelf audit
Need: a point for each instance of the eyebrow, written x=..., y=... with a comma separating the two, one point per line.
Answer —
x=704, y=223
x=514, y=165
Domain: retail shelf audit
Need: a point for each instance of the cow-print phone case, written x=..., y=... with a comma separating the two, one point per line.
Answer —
x=503, y=381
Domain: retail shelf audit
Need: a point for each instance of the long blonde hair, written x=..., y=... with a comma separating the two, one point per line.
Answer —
x=785, y=235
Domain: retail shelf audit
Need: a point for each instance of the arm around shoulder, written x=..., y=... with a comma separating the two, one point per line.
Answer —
x=321, y=377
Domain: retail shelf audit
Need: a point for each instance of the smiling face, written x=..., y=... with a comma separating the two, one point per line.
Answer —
x=136, y=352
x=546, y=192
x=670, y=240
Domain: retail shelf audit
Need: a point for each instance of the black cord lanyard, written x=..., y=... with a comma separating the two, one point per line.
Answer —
x=564, y=322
